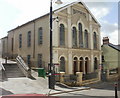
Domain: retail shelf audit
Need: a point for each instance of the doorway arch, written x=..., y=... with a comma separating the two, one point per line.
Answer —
x=62, y=64
x=86, y=65
x=81, y=64
x=75, y=65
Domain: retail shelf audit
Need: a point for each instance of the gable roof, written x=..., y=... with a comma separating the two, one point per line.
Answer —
x=57, y=8
x=117, y=47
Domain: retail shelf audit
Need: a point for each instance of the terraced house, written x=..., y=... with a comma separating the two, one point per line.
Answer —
x=76, y=40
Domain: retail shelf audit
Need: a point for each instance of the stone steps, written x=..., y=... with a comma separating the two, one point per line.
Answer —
x=13, y=71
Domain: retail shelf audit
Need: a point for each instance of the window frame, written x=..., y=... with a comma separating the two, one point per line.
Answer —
x=40, y=35
x=29, y=38
x=62, y=35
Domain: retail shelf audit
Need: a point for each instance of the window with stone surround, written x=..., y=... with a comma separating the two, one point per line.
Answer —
x=40, y=36
x=62, y=35
x=86, y=38
x=20, y=40
x=80, y=35
x=95, y=40
x=29, y=38
x=74, y=36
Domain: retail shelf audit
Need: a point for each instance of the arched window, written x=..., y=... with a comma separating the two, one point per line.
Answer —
x=95, y=63
x=74, y=36
x=62, y=35
x=95, y=40
x=62, y=64
x=86, y=38
x=80, y=35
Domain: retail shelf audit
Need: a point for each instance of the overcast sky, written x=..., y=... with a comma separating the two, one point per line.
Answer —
x=17, y=12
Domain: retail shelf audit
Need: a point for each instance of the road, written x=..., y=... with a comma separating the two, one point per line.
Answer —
x=99, y=90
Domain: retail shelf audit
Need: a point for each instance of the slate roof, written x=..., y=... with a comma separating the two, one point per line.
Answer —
x=117, y=47
x=58, y=7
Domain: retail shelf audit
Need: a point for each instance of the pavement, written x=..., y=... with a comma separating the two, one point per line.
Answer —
x=35, y=85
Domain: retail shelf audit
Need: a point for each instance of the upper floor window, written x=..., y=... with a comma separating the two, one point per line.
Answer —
x=86, y=38
x=20, y=40
x=95, y=40
x=80, y=35
x=40, y=35
x=12, y=44
x=62, y=35
x=74, y=36
x=29, y=39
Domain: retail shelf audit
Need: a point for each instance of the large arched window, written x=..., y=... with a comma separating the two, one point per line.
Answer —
x=74, y=36
x=80, y=35
x=95, y=63
x=86, y=38
x=95, y=40
x=62, y=35
x=62, y=64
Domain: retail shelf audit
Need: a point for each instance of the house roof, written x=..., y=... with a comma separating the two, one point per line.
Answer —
x=117, y=47
x=4, y=37
x=59, y=7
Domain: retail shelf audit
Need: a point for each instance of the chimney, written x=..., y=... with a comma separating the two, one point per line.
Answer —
x=105, y=40
x=58, y=2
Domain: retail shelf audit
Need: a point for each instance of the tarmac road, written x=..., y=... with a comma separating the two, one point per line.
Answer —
x=98, y=90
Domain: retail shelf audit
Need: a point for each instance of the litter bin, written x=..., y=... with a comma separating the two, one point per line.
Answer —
x=41, y=72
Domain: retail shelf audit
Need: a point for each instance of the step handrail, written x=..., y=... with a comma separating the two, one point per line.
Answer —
x=24, y=67
x=22, y=63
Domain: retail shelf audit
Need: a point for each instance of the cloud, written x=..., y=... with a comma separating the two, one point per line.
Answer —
x=100, y=12
x=108, y=27
x=114, y=37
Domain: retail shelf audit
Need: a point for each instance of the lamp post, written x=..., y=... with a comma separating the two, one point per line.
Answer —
x=51, y=76
x=51, y=66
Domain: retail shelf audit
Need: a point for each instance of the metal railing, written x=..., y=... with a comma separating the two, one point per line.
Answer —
x=24, y=67
x=90, y=76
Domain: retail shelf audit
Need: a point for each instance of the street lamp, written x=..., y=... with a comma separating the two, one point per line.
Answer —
x=51, y=66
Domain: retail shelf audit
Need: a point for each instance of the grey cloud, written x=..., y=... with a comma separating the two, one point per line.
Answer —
x=108, y=28
x=99, y=4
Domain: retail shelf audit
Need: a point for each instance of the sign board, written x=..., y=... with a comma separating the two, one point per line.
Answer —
x=56, y=64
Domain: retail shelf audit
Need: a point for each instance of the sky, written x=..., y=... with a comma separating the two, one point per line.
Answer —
x=18, y=12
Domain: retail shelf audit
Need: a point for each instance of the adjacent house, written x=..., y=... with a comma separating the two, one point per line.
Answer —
x=110, y=56
x=4, y=48
x=76, y=40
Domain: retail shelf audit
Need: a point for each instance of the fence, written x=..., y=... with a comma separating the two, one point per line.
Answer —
x=90, y=76
x=79, y=79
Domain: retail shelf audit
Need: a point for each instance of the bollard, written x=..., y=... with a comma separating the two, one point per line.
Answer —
x=115, y=90
x=6, y=60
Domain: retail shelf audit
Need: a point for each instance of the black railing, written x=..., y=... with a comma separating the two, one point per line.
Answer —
x=90, y=76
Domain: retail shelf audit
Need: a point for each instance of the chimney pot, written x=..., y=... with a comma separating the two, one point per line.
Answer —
x=105, y=40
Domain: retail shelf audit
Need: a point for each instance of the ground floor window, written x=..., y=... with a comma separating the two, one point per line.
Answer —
x=95, y=63
x=40, y=61
x=62, y=64
x=28, y=59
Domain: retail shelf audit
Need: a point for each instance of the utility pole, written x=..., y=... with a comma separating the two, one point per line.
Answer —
x=51, y=78
x=51, y=69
